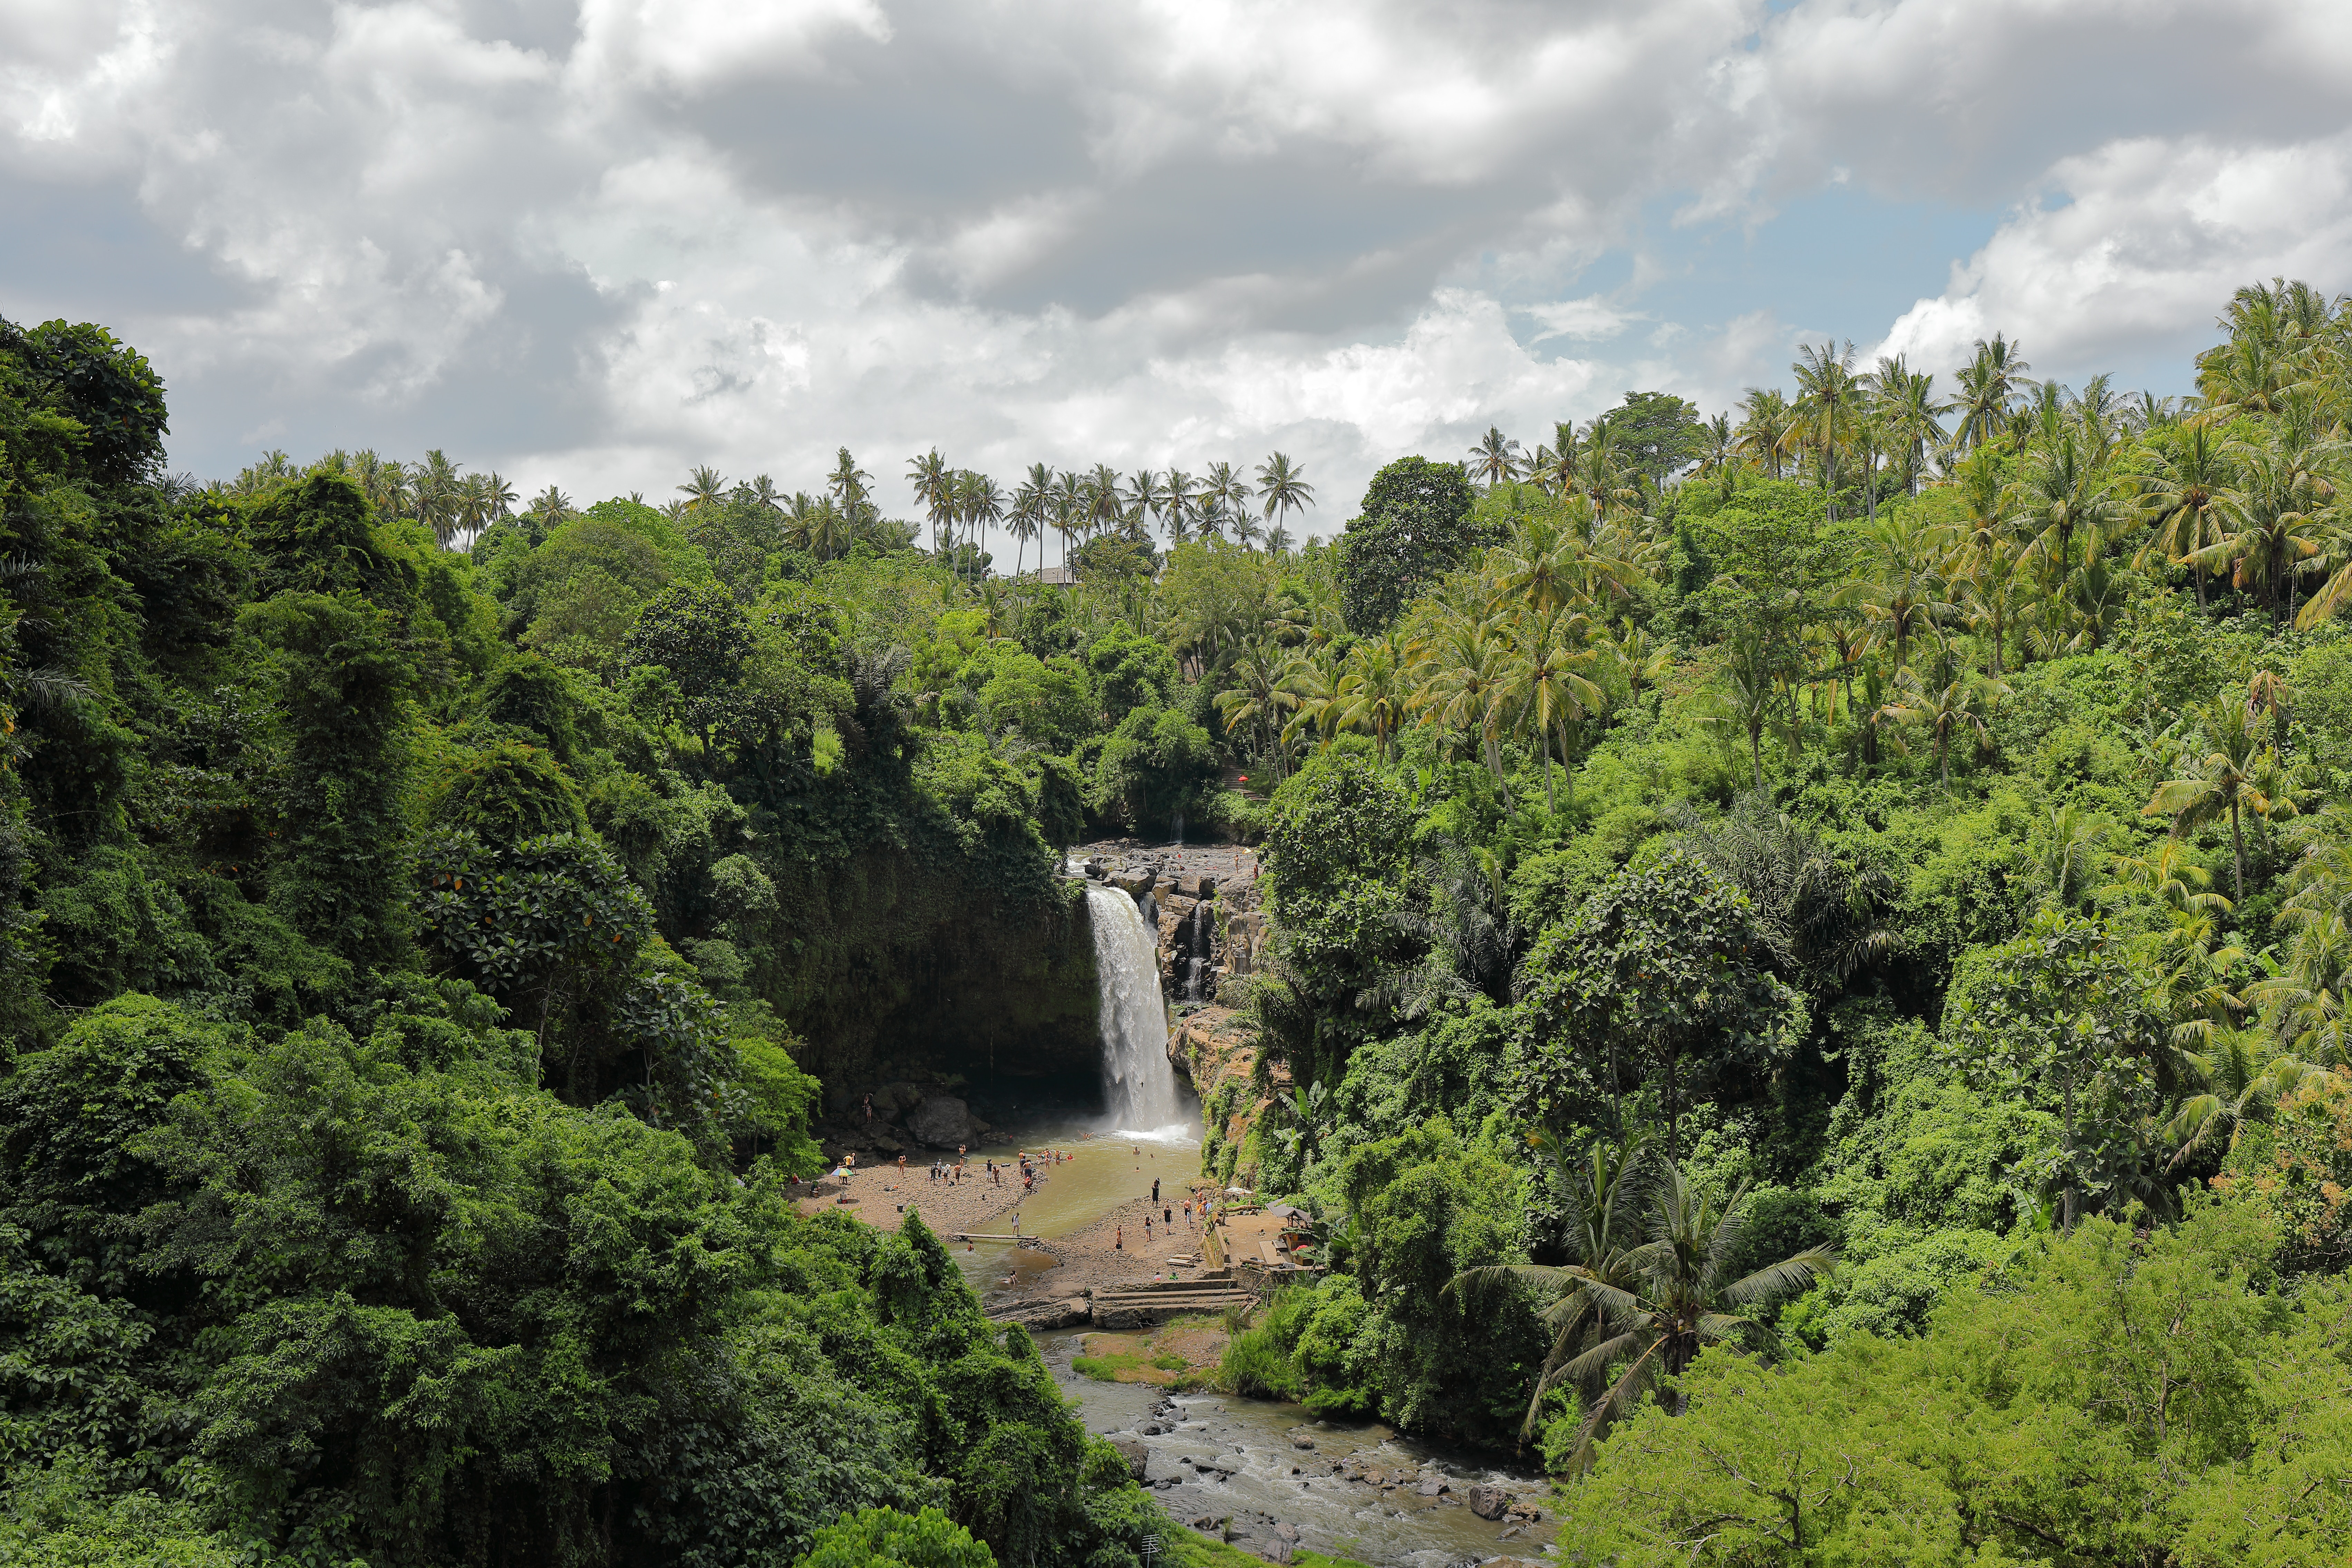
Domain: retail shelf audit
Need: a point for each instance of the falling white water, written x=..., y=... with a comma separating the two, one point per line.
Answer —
x=1138, y=1081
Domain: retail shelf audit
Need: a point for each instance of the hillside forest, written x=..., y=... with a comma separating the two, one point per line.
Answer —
x=1805, y=994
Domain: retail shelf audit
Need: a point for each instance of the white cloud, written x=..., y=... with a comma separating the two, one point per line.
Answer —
x=2152, y=237
x=1589, y=318
x=603, y=241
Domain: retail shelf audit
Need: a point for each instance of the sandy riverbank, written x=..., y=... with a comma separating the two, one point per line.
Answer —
x=1102, y=1244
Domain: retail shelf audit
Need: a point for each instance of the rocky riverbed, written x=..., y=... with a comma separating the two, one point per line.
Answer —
x=1271, y=1477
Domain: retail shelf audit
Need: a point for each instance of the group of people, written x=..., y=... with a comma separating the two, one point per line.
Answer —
x=1167, y=1218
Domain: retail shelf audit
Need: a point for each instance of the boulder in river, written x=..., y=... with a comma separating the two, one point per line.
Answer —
x=1136, y=1452
x=1489, y=1502
x=943, y=1122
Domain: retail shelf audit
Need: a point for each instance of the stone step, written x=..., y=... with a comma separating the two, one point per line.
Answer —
x=1210, y=1285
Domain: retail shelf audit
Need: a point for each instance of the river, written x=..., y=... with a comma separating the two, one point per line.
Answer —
x=1216, y=1458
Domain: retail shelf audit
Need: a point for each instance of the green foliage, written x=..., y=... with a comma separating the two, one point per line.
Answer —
x=884, y=1536
x=1414, y=527
x=1663, y=969
x=2036, y=1422
x=1155, y=764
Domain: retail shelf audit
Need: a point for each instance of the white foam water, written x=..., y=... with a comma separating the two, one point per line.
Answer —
x=1138, y=1081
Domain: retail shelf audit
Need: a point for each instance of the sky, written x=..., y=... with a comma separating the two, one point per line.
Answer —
x=597, y=242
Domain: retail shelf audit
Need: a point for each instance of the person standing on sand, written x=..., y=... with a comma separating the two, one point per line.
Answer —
x=1147, y=1230
x=1155, y=1189
x=1119, y=1239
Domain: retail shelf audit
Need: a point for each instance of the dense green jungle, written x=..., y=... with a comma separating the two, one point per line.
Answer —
x=1804, y=995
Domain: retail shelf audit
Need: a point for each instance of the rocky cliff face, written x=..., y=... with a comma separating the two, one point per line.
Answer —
x=1211, y=931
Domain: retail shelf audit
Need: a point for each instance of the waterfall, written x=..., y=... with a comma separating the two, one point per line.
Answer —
x=1138, y=1081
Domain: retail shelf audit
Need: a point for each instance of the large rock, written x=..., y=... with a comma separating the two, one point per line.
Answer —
x=1047, y=1316
x=1489, y=1502
x=1136, y=1452
x=943, y=1122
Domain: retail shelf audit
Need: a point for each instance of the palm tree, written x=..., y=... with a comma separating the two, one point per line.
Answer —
x=1495, y=457
x=1145, y=497
x=500, y=496
x=1071, y=500
x=1671, y=1296
x=1604, y=1194
x=703, y=488
x=2066, y=854
x=1224, y=495
x=1283, y=488
x=1908, y=410
x=1033, y=508
x=2277, y=517
x=1989, y=384
x=850, y=486
x=1946, y=711
x=1371, y=691
x=1463, y=683
x=2184, y=499
x=1545, y=682
x=553, y=507
x=980, y=503
x=473, y=504
x=1259, y=698
x=1906, y=594
x=2224, y=780
x=1765, y=429
x=1827, y=397
x=765, y=494
x=438, y=502
x=2065, y=498
x=934, y=485
x=1555, y=466
x=1717, y=451
x=1180, y=498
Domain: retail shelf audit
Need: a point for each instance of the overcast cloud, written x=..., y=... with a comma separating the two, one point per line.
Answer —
x=597, y=241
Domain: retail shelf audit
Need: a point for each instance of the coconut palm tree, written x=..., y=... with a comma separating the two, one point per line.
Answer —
x=2222, y=780
x=1259, y=699
x=1545, y=682
x=1909, y=413
x=703, y=488
x=2184, y=499
x=1372, y=691
x=1829, y=399
x=1766, y=429
x=1180, y=496
x=1946, y=711
x=1554, y=466
x=1905, y=593
x=1072, y=498
x=2279, y=517
x=981, y=502
x=553, y=507
x=850, y=486
x=1672, y=1295
x=1283, y=488
x=1495, y=457
x=1718, y=450
x=1989, y=384
x=2065, y=501
x=1224, y=496
x=765, y=494
x=439, y=503
x=1605, y=1192
x=1461, y=682
x=934, y=485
